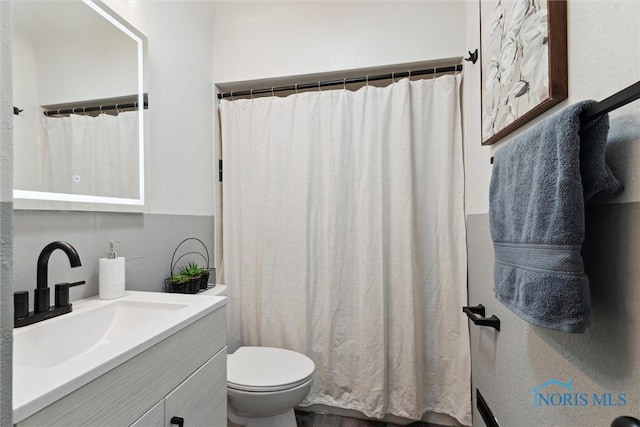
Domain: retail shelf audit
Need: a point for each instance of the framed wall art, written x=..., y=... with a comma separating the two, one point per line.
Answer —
x=524, y=62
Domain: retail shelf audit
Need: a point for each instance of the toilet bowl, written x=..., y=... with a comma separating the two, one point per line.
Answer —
x=264, y=384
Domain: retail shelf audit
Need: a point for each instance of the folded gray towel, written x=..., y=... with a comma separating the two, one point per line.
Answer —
x=540, y=183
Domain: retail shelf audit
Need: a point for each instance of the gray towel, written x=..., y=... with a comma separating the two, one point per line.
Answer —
x=540, y=183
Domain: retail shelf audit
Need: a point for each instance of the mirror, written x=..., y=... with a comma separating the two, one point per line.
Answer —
x=78, y=78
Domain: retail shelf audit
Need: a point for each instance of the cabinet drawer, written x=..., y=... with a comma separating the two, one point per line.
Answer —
x=202, y=399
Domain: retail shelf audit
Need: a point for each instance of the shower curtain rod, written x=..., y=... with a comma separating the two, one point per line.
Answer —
x=321, y=84
x=100, y=108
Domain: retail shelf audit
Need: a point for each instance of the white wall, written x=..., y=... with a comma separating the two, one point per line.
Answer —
x=267, y=39
x=180, y=102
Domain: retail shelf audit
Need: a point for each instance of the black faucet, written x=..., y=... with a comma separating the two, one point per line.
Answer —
x=42, y=309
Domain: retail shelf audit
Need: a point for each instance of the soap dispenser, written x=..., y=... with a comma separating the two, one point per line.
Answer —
x=111, y=274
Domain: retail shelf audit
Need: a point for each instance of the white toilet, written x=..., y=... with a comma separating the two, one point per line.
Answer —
x=264, y=384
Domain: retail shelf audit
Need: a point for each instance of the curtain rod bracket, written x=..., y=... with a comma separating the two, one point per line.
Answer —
x=17, y=111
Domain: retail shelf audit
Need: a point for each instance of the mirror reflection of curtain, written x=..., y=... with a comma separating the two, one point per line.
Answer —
x=90, y=155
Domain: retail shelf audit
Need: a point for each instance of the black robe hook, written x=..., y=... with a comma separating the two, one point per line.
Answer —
x=473, y=56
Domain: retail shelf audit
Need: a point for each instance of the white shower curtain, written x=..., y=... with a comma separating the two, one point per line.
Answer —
x=90, y=155
x=344, y=239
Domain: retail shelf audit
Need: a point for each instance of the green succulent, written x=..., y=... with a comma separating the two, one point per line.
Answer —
x=178, y=279
x=191, y=270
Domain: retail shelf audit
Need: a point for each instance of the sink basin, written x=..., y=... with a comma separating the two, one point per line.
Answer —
x=55, y=357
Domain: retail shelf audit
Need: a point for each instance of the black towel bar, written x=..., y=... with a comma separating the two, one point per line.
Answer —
x=478, y=310
x=485, y=411
x=617, y=100
x=625, y=422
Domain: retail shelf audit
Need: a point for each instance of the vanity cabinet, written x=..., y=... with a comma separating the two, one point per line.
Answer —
x=199, y=401
x=153, y=417
x=183, y=376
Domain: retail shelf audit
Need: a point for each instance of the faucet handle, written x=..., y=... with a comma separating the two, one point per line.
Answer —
x=20, y=304
x=62, y=292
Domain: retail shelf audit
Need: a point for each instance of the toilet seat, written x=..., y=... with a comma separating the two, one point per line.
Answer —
x=267, y=369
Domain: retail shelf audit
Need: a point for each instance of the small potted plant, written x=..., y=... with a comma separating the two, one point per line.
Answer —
x=181, y=283
x=194, y=274
x=190, y=278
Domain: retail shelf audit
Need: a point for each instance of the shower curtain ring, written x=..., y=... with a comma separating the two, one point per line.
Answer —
x=101, y=109
x=296, y=88
x=409, y=74
x=272, y=93
x=251, y=93
x=319, y=87
x=367, y=80
x=84, y=110
x=393, y=77
x=344, y=84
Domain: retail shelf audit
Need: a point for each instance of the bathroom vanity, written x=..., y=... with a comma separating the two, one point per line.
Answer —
x=148, y=359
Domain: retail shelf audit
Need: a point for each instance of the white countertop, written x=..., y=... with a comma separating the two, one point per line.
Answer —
x=57, y=356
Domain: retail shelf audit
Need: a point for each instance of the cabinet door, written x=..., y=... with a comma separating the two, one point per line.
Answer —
x=154, y=417
x=201, y=400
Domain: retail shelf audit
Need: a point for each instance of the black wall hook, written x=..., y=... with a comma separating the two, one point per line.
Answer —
x=473, y=56
x=17, y=111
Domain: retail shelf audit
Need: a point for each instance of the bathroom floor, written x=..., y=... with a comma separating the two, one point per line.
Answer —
x=307, y=419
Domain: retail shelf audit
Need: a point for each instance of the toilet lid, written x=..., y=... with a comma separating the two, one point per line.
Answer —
x=267, y=369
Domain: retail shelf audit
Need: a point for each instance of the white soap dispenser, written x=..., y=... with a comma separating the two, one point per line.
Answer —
x=111, y=274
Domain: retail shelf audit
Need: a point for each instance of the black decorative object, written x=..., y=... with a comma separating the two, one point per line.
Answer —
x=473, y=56
x=190, y=278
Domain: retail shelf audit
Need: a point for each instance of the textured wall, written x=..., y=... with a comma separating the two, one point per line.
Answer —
x=6, y=215
x=508, y=364
x=603, y=56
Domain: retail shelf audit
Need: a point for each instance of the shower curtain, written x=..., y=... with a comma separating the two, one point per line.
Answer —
x=90, y=155
x=344, y=239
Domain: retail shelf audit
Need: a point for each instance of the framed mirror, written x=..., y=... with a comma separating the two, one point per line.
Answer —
x=79, y=107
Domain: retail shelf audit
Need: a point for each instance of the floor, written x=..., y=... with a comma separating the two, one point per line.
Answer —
x=307, y=419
